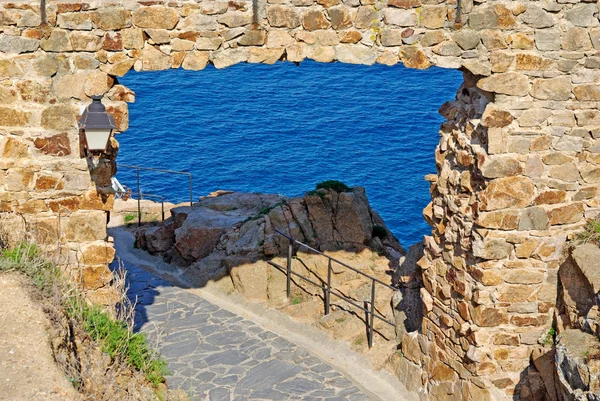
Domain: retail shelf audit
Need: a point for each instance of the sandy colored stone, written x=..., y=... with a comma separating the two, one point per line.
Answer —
x=13, y=118
x=510, y=83
x=153, y=59
x=494, y=116
x=489, y=316
x=158, y=17
x=503, y=220
x=568, y=214
x=315, y=19
x=109, y=18
x=412, y=57
x=508, y=192
x=340, y=18
x=58, y=41
x=552, y=89
x=283, y=16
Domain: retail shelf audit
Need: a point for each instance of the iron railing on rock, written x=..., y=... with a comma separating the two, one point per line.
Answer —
x=139, y=191
x=368, y=307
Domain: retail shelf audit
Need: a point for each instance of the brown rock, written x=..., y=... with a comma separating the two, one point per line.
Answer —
x=587, y=92
x=234, y=20
x=501, y=193
x=95, y=277
x=158, y=17
x=98, y=254
x=586, y=193
x=412, y=57
x=340, y=18
x=64, y=205
x=496, y=117
x=566, y=214
x=442, y=372
x=9, y=69
x=253, y=38
x=529, y=320
x=351, y=37
x=404, y=3
x=57, y=145
x=315, y=19
x=503, y=220
x=13, y=117
x=46, y=182
x=488, y=316
x=550, y=197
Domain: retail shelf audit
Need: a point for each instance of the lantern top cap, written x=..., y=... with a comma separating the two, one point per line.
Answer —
x=96, y=117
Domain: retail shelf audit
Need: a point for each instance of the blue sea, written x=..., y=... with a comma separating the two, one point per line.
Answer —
x=283, y=128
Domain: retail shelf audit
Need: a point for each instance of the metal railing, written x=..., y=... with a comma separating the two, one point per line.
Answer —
x=458, y=11
x=139, y=191
x=162, y=202
x=368, y=307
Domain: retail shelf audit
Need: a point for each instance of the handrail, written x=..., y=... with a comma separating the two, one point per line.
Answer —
x=458, y=11
x=139, y=191
x=335, y=260
x=162, y=202
x=369, y=306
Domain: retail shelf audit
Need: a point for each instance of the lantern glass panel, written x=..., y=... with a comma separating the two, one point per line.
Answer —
x=97, y=138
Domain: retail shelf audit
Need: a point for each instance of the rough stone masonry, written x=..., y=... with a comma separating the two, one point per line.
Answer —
x=517, y=163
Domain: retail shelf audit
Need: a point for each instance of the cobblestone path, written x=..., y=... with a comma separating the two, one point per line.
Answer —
x=216, y=355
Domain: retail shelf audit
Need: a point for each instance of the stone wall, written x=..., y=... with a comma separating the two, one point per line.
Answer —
x=517, y=159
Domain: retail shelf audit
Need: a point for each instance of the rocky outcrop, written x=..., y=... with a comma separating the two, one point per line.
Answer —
x=238, y=226
x=578, y=366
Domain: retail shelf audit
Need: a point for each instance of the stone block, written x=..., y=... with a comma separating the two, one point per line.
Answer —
x=157, y=17
x=502, y=193
x=86, y=226
x=510, y=83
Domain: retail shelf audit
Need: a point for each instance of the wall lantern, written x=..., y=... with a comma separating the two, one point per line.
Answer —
x=95, y=128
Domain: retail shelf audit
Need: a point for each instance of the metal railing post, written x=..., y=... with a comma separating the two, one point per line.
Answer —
x=372, y=314
x=328, y=291
x=162, y=202
x=289, y=270
x=139, y=196
x=458, y=11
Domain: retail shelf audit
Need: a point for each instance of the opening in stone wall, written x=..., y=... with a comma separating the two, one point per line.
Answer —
x=282, y=128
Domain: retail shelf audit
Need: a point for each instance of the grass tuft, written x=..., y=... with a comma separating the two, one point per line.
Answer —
x=334, y=185
x=591, y=232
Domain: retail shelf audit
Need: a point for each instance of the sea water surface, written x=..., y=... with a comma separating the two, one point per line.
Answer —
x=283, y=128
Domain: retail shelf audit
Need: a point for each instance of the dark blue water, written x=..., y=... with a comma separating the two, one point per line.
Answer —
x=282, y=128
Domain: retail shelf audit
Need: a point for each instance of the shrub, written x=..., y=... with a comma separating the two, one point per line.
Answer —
x=379, y=232
x=334, y=185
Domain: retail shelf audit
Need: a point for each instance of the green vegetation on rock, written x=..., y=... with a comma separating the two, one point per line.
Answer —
x=334, y=185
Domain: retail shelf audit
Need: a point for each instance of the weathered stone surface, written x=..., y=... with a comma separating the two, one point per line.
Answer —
x=552, y=89
x=58, y=41
x=466, y=39
x=157, y=17
x=400, y=17
x=315, y=19
x=508, y=192
x=153, y=59
x=18, y=44
x=13, y=117
x=86, y=226
x=412, y=57
x=86, y=41
x=234, y=20
x=533, y=218
x=534, y=117
x=228, y=58
x=489, y=316
x=496, y=117
x=340, y=18
x=282, y=16
x=433, y=17
x=196, y=60
x=491, y=16
x=501, y=166
x=502, y=220
x=536, y=17
x=56, y=145
x=108, y=18
x=566, y=214
x=510, y=83
x=58, y=117
x=576, y=39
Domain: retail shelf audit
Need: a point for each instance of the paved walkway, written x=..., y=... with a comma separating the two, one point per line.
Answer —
x=215, y=355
